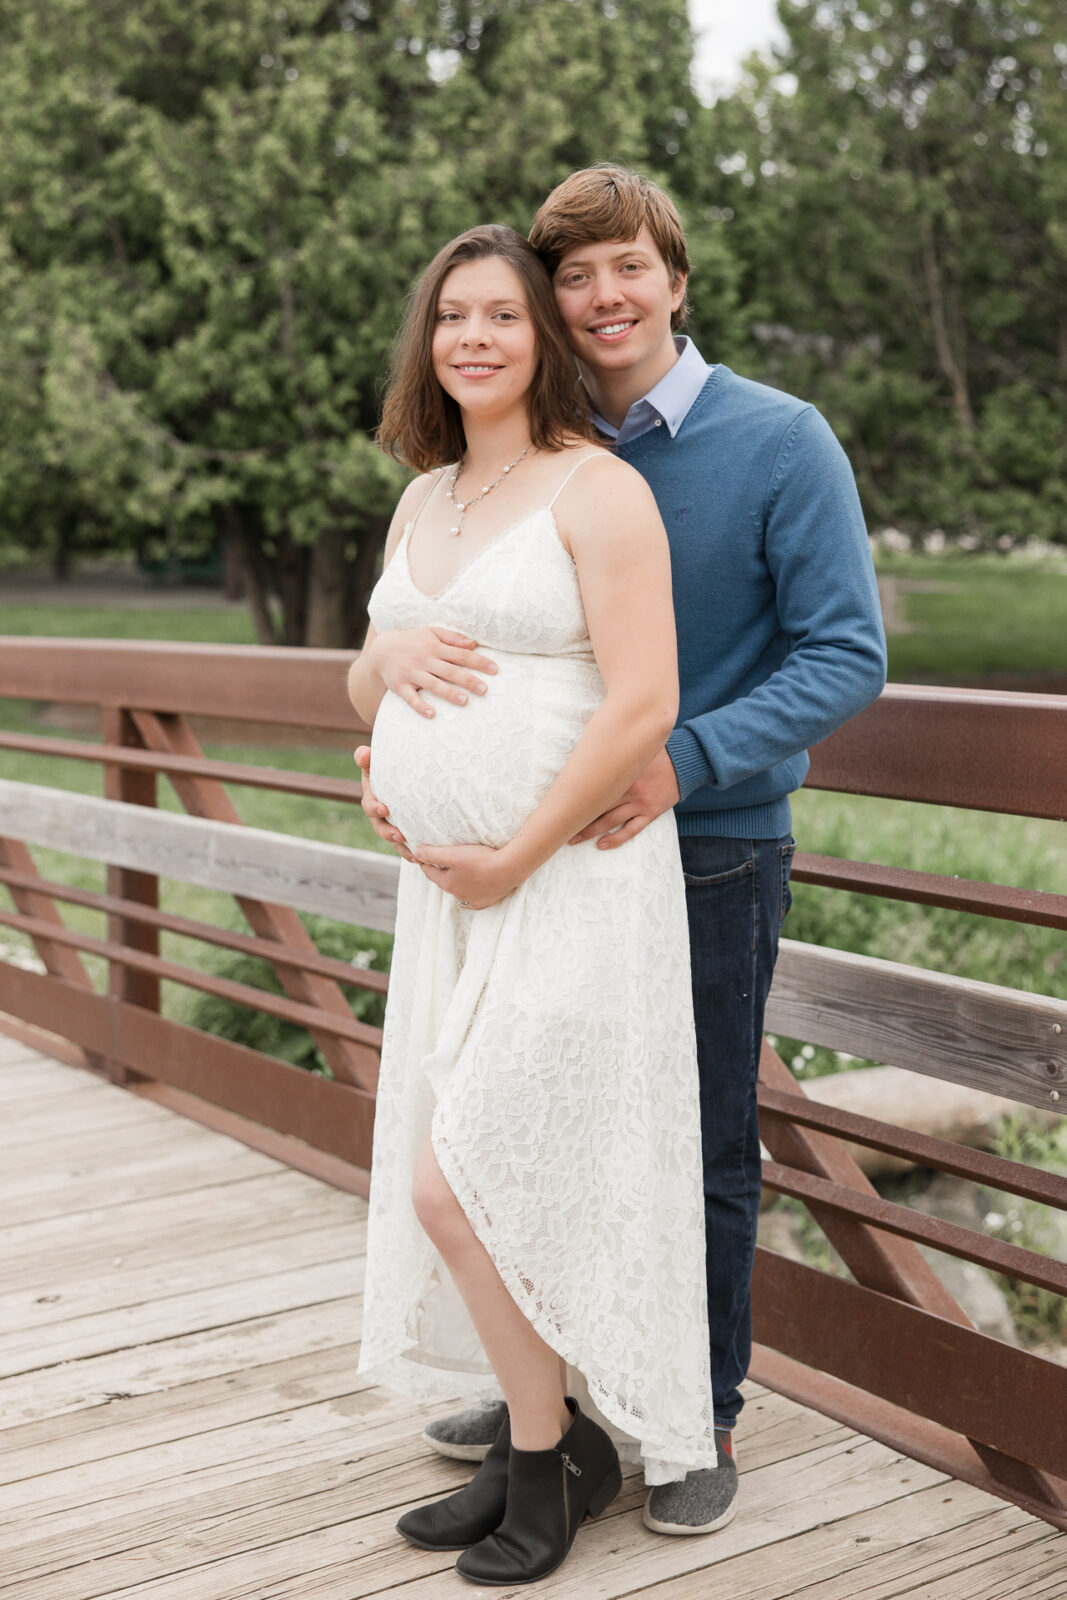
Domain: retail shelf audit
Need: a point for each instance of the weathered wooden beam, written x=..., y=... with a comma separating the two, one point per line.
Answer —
x=357, y=886
x=979, y=1034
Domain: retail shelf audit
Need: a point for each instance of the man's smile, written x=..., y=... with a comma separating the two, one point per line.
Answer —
x=612, y=331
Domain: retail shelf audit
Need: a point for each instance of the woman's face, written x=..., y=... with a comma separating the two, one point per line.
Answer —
x=484, y=341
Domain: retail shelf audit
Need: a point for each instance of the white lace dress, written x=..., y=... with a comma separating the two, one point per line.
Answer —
x=546, y=1043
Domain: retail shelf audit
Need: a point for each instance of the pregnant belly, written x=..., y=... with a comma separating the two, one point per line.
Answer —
x=472, y=774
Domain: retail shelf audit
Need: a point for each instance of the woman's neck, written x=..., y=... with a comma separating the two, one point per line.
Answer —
x=491, y=445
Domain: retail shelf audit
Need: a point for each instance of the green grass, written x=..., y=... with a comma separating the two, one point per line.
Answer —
x=991, y=618
x=230, y=624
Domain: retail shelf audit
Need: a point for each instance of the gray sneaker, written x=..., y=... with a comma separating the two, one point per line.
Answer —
x=701, y=1501
x=467, y=1435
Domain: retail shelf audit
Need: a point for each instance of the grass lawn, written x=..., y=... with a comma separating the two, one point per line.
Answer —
x=181, y=620
x=982, y=617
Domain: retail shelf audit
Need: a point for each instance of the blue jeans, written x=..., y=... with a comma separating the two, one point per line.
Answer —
x=737, y=893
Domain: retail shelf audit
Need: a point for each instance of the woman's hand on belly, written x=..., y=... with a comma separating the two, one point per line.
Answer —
x=477, y=875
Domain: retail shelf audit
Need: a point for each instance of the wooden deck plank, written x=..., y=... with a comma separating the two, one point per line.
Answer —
x=70, y=1320
x=195, y=1428
x=256, y=1501
x=362, y=1556
x=159, y=1166
x=198, y=1310
x=894, y=1549
x=55, y=1443
x=268, y=1206
x=152, y=1368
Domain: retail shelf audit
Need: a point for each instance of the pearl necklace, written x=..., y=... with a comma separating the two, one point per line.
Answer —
x=463, y=506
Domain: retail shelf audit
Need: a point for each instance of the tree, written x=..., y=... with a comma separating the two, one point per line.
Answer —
x=896, y=203
x=215, y=211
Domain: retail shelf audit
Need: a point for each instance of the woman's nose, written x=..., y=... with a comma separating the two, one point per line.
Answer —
x=477, y=333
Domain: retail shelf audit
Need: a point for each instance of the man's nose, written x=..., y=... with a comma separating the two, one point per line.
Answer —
x=607, y=291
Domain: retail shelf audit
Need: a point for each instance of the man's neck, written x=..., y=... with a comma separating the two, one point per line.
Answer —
x=614, y=392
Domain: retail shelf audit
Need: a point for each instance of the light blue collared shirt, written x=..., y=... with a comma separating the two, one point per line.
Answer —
x=667, y=403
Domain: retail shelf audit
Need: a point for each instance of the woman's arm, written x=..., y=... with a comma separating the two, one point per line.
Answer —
x=366, y=687
x=612, y=527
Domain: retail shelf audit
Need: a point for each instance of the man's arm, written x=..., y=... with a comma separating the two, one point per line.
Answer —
x=827, y=600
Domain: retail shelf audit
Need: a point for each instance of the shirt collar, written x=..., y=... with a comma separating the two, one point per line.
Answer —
x=671, y=399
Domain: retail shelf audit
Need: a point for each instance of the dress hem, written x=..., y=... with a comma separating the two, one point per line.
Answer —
x=664, y=1463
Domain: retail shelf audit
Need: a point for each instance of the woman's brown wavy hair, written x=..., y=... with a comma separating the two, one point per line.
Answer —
x=421, y=425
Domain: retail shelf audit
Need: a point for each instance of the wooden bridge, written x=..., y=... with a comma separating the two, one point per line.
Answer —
x=181, y=1217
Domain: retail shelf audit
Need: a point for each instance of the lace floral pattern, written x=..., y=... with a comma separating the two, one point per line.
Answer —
x=546, y=1044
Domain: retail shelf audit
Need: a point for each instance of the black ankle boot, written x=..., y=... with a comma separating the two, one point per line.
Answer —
x=549, y=1493
x=471, y=1514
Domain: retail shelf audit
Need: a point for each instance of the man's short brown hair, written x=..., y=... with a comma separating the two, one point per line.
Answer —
x=606, y=202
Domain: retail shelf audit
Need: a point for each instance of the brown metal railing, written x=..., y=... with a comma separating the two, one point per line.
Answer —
x=890, y=1351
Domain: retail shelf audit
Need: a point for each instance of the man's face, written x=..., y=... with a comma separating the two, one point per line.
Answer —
x=616, y=297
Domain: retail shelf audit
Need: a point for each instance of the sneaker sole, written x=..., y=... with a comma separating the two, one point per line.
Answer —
x=682, y=1527
x=457, y=1452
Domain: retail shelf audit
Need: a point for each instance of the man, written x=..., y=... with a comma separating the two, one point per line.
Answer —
x=780, y=641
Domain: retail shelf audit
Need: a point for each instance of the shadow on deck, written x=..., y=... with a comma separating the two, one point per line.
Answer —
x=180, y=1416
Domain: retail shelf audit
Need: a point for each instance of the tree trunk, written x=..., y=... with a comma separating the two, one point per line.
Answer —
x=233, y=577
x=254, y=573
x=951, y=362
x=61, y=554
x=363, y=571
x=328, y=588
x=292, y=576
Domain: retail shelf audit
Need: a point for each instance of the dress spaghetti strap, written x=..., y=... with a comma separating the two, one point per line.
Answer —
x=592, y=457
x=424, y=502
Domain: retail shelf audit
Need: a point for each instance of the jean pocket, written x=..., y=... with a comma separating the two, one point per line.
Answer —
x=693, y=882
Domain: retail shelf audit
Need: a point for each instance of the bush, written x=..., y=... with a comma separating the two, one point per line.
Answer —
x=287, y=1041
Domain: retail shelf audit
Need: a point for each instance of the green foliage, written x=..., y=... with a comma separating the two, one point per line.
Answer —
x=896, y=209
x=1039, y=1315
x=210, y=214
x=286, y=1040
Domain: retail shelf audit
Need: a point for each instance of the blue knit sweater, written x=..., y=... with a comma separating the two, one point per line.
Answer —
x=780, y=635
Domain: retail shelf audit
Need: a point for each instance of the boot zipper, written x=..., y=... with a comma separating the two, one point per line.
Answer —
x=568, y=1466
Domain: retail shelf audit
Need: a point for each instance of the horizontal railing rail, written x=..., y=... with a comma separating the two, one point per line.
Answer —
x=887, y=1348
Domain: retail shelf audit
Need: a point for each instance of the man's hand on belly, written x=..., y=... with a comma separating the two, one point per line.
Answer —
x=654, y=792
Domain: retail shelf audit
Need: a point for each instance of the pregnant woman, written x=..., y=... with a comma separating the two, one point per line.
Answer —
x=536, y=1217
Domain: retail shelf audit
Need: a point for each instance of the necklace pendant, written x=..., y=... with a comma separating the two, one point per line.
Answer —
x=456, y=529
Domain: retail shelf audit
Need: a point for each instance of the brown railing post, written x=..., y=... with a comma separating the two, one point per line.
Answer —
x=136, y=788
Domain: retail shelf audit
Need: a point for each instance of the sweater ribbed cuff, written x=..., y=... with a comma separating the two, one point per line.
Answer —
x=692, y=767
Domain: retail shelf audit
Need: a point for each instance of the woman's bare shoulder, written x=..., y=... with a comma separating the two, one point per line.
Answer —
x=415, y=496
x=604, y=473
